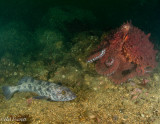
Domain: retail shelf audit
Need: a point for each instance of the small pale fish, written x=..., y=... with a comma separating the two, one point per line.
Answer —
x=47, y=90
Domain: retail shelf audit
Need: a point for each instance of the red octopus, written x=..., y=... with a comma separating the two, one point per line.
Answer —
x=125, y=54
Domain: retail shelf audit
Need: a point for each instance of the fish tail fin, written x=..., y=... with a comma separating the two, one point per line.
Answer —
x=7, y=92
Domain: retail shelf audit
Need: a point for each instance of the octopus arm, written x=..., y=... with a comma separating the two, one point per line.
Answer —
x=96, y=56
x=103, y=69
x=125, y=78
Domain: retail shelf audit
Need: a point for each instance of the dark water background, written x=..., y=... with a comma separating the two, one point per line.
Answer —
x=109, y=14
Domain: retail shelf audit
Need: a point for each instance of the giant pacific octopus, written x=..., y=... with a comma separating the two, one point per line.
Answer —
x=125, y=53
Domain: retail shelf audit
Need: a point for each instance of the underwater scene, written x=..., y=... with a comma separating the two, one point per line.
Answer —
x=80, y=62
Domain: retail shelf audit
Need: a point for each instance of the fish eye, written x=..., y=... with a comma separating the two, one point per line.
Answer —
x=63, y=92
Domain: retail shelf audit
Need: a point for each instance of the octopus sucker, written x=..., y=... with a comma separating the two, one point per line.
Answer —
x=107, y=70
x=96, y=56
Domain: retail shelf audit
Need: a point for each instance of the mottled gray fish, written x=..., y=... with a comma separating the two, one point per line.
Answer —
x=51, y=91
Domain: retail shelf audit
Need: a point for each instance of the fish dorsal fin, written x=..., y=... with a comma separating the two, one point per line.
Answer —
x=25, y=79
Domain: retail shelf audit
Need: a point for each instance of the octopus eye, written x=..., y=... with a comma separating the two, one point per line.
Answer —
x=63, y=92
x=126, y=27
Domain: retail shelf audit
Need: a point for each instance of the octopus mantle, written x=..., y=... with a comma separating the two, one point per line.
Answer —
x=125, y=54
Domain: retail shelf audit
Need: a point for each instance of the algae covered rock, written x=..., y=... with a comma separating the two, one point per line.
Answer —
x=58, y=27
x=83, y=44
x=68, y=18
x=52, y=43
x=16, y=40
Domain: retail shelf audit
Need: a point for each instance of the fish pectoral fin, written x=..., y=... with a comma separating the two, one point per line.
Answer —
x=40, y=97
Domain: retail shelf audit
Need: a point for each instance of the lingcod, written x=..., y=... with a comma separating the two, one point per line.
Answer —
x=44, y=89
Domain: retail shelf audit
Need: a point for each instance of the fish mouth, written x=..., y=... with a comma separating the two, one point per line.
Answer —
x=72, y=97
x=69, y=98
